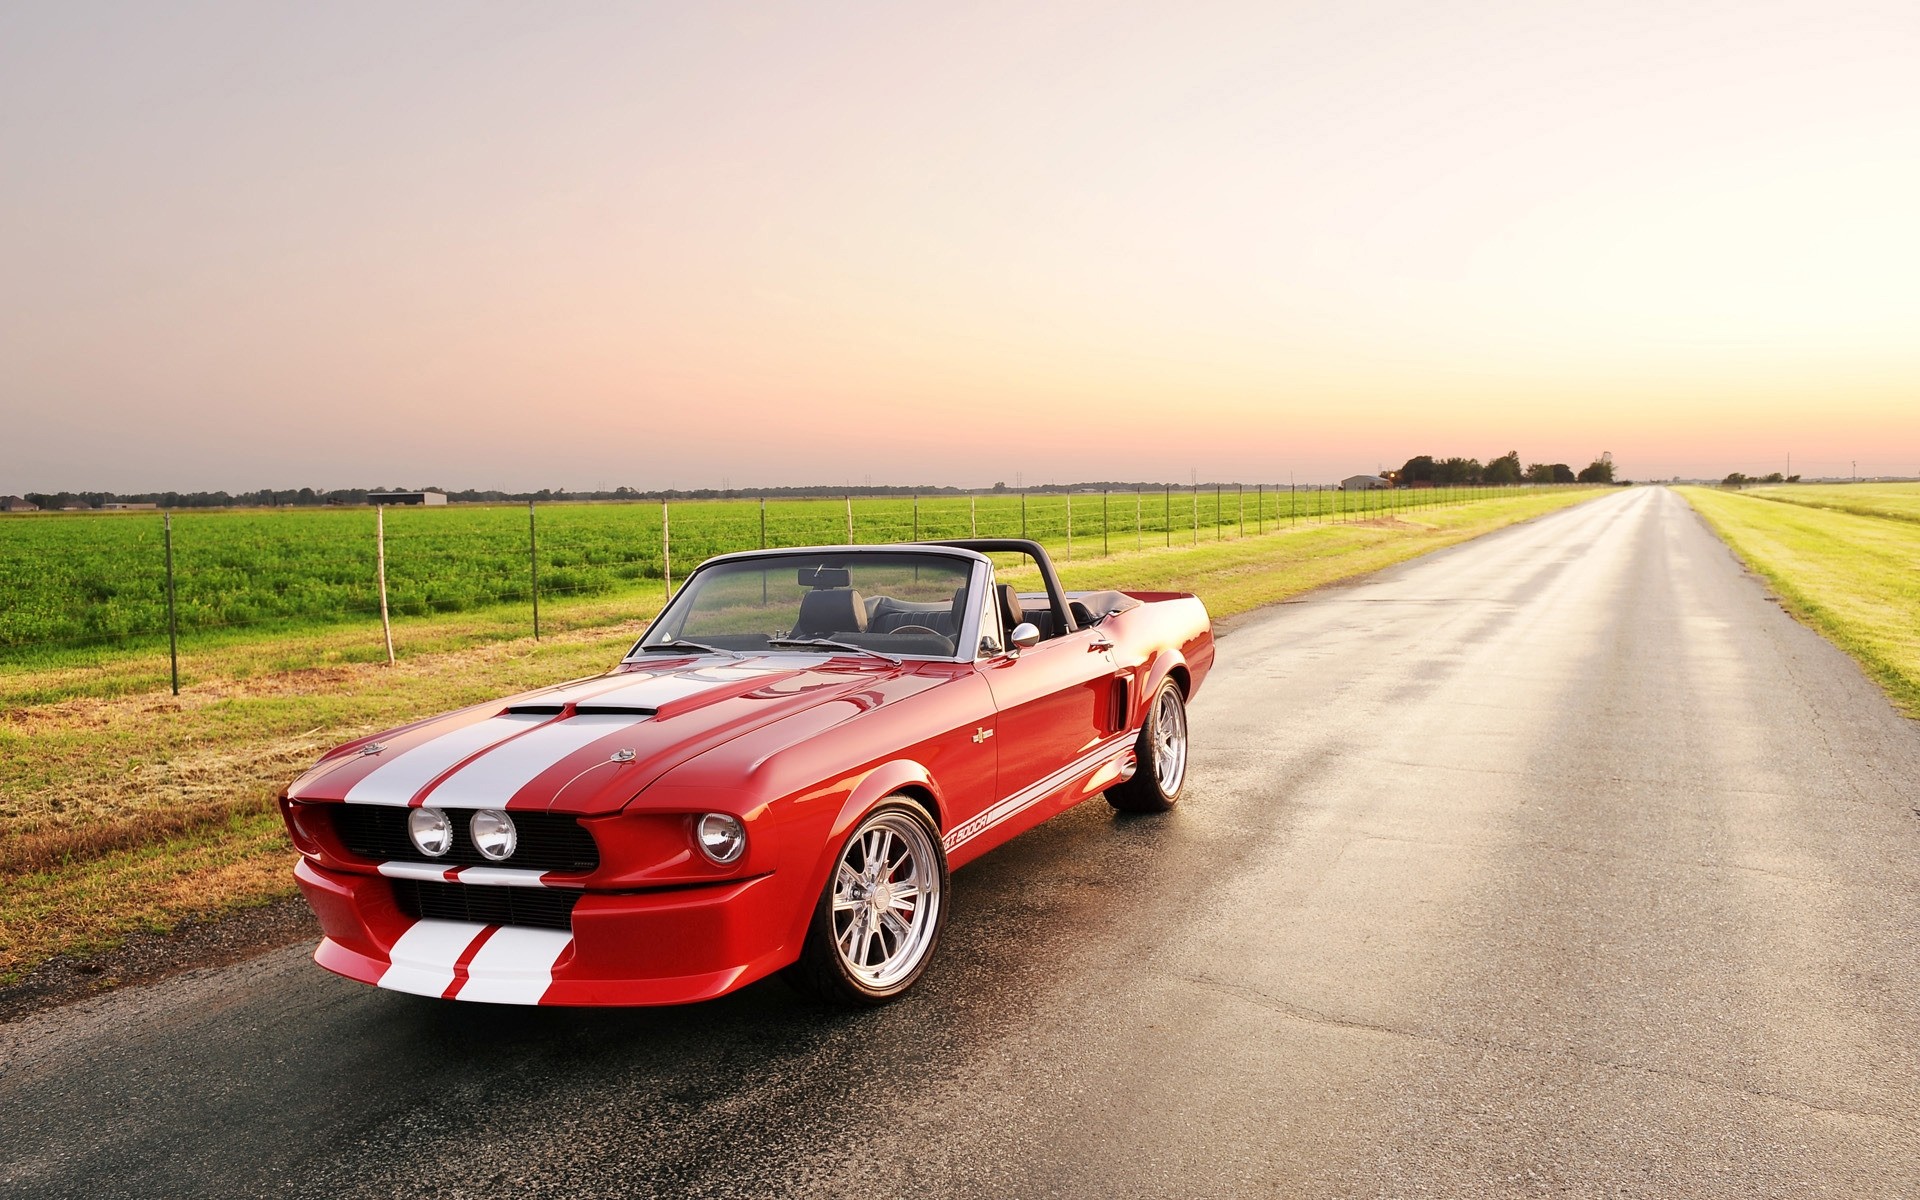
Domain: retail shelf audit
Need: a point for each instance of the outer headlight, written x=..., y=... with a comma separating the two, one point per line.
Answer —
x=721, y=837
x=430, y=830
x=494, y=834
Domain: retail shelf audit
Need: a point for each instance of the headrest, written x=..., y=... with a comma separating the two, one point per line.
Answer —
x=834, y=611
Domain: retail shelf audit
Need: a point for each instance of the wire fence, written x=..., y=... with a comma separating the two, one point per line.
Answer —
x=128, y=583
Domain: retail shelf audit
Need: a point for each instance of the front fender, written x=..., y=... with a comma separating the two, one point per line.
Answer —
x=887, y=779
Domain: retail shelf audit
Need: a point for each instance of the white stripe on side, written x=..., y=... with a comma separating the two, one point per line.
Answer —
x=1026, y=798
x=515, y=966
x=397, y=781
x=491, y=780
x=422, y=960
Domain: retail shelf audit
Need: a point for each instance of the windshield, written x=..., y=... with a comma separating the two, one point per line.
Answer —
x=894, y=602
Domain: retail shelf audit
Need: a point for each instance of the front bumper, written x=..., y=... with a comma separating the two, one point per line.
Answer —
x=672, y=946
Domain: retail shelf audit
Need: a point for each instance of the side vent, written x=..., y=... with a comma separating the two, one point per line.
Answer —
x=1119, y=707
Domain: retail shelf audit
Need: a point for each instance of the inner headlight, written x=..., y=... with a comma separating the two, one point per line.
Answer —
x=494, y=834
x=721, y=836
x=430, y=830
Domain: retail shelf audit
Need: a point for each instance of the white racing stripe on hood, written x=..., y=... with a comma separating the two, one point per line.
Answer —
x=421, y=961
x=491, y=780
x=396, y=781
x=515, y=966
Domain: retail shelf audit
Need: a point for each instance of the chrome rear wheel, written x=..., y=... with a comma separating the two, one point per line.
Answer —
x=1160, y=756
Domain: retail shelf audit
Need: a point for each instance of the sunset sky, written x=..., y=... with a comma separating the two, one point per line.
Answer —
x=582, y=245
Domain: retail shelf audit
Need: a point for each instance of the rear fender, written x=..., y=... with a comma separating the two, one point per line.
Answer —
x=1164, y=664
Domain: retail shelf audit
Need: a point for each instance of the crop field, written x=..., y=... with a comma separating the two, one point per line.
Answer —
x=1844, y=559
x=76, y=588
x=125, y=807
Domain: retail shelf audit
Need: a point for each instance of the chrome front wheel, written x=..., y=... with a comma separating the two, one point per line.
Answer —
x=882, y=910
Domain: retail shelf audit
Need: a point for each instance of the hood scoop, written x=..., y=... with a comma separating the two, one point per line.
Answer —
x=585, y=708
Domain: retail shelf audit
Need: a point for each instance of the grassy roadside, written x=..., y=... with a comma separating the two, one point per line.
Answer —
x=1849, y=574
x=133, y=811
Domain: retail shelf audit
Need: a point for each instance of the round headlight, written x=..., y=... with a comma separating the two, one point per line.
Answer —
x=721, y=836
x=430, y=830
x=494, y=834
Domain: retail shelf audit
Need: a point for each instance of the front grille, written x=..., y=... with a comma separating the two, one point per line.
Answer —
x=538, y=908
x=547, y=841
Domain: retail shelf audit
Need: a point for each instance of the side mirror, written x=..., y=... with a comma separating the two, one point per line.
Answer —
x=1025, y=635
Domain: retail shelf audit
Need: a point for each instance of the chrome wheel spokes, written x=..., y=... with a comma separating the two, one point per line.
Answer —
x=886, y=898
x=1170, y=741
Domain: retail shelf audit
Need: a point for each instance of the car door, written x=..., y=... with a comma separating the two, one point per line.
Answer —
x=1054, y=704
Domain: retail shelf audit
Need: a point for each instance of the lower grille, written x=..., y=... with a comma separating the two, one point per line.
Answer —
x=536, y=908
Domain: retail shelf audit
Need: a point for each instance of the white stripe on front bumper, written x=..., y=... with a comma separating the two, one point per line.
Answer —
x=422, y=960
x=515, y=966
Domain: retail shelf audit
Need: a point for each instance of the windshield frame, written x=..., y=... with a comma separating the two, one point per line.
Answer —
x=979, y=578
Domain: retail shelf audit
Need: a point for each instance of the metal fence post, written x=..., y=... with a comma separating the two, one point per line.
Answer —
x=763, y=522
x=1023, y=514
x=973, y=515
x=1106, y=525
x=916, y=516
x=1169, y=516
x=173, y=622
x=533, y=568
x=666, y=545
x=849, y=518
x=1069, y=525
x=380, y=560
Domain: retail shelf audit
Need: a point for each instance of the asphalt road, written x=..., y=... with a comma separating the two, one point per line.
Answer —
x=1559, y=863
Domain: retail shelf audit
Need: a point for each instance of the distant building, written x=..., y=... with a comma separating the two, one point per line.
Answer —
x=1363, y=483
x=406, y=497
x=16, y=504
x=125, y=506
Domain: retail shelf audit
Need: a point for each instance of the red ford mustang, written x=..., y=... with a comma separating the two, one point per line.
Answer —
x=779, y=775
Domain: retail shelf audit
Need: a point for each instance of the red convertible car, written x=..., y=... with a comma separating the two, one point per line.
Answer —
x=778, y=776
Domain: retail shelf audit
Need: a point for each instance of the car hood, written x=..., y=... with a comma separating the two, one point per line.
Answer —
x=590, y=746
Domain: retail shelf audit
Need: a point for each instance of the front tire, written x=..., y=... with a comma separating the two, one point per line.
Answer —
x=880, y=915
x=1160, y=755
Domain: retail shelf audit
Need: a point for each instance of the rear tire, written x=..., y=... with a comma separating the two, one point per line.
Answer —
x=1160, y=755
x=879, y=917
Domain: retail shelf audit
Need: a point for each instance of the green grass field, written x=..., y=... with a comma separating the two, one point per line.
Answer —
x=124, y=807
x=1846, y=560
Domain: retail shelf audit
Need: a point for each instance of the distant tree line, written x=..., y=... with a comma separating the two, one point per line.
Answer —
x=1455, y=472
x=312, y=498
x=1736, y=479
x=1424, y=468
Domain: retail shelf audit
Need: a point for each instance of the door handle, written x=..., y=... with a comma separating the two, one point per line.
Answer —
x=1098, y=644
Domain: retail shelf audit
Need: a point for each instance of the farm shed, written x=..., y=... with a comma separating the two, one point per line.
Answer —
x=16, y=504
x=1363, y=483
x=406, y=497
